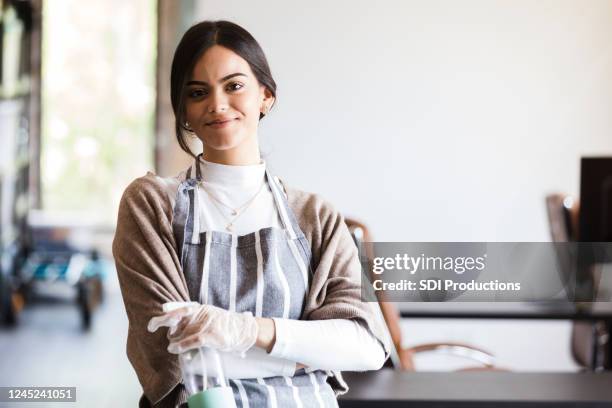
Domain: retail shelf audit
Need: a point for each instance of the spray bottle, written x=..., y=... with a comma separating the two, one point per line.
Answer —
x=204, y=379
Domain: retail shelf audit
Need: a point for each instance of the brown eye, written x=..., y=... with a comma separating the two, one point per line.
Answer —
x=197, y=93
x=234, y=86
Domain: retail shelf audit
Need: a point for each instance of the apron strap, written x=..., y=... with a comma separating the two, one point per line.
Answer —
x=194, y=201
x=198, y=171
x=197, y=167
x=286, y=215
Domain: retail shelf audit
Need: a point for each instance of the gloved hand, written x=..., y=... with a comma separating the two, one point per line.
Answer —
x=195, y=325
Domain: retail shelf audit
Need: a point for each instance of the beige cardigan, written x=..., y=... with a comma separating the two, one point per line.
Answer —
x=150, y=275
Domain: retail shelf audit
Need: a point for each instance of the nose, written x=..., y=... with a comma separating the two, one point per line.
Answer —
x=218, y=102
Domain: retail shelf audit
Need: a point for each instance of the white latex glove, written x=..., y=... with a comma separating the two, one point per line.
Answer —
x=159, y=321
x=195, y=325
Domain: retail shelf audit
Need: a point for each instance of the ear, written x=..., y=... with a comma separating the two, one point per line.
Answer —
x=267, y=100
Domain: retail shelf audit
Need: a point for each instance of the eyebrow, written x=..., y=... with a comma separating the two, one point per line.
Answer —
x=225, y=78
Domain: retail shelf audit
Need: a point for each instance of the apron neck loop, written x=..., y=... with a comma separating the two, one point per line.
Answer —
x=288, y=220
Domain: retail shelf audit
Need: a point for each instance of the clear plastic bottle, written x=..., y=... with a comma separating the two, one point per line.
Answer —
x=204, y=379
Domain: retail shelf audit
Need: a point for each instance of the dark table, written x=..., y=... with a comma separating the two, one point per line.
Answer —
x=507, y=310
x=390, y=388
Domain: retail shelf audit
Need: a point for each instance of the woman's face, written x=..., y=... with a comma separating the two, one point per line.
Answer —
x=224, y=100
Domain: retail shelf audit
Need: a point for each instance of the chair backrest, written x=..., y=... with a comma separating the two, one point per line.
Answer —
x=562, y=217
x=363, y=239
x=563, y=222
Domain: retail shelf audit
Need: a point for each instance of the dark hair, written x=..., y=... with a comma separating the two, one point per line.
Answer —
x=195, y=42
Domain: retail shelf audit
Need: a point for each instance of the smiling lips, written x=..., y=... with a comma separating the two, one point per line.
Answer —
x=218, y=123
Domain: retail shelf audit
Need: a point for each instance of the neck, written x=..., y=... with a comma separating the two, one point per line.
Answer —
x=247, y=153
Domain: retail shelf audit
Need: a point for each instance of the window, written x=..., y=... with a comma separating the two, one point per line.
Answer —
x=98, y=102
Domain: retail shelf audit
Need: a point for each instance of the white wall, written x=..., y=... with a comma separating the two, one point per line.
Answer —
x=435, y=120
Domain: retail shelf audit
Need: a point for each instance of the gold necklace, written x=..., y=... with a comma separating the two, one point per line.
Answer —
x=236, y=212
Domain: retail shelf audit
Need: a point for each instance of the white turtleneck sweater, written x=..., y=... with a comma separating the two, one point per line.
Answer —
x=335, y=344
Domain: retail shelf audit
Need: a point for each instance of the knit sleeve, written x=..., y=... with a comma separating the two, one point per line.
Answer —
x=149, y=275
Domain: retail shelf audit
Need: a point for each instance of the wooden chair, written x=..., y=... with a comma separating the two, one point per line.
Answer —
x=402, y=358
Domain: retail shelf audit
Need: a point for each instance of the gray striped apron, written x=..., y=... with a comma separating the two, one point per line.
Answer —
x=266, y=272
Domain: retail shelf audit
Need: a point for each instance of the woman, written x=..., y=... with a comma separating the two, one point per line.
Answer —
x=271, y=272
